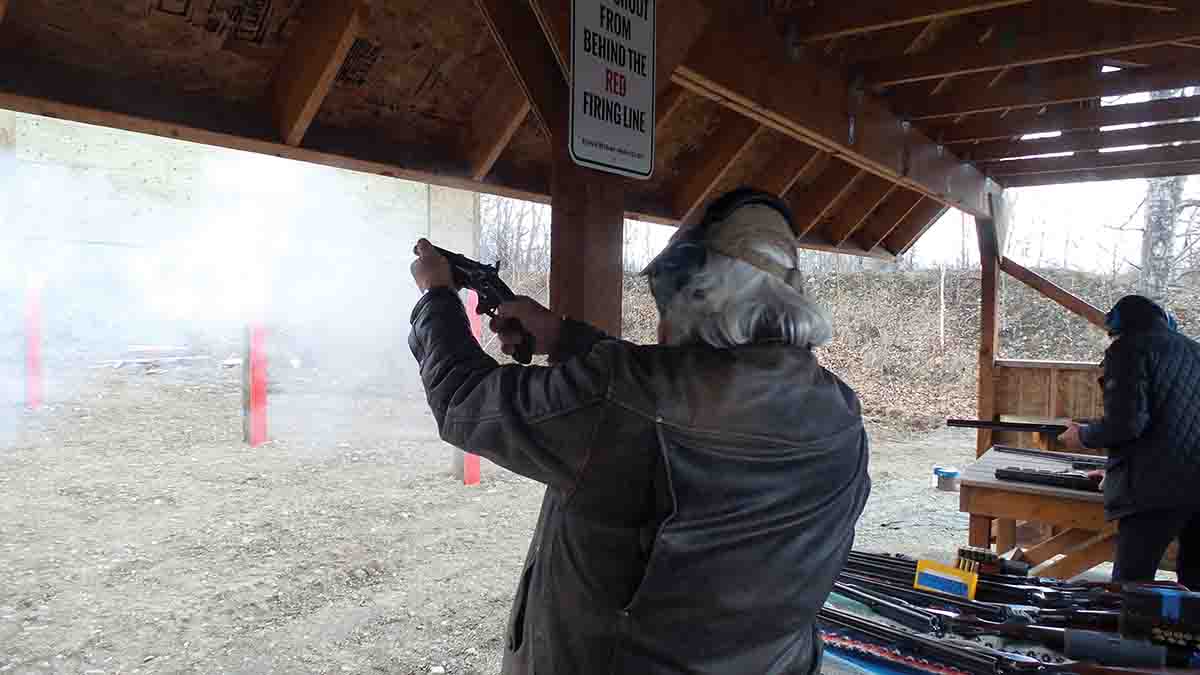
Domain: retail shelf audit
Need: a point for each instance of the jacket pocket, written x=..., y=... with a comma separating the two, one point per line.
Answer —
x=516, y=621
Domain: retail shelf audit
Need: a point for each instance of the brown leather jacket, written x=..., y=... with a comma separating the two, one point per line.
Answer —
x=699, y=502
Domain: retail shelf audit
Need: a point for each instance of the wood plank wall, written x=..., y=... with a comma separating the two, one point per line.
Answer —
x=1046, y=389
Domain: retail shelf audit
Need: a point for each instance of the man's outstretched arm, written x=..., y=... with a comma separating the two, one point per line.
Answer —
x=538, y=422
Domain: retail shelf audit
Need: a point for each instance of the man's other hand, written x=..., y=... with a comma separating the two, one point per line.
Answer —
x=1070, y=438
x=1098, y=474
x=540, y=322
x=431, y=269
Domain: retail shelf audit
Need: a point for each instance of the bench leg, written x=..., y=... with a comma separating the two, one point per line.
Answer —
x=979, y=533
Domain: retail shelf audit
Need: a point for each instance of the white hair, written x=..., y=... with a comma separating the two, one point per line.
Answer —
x=729, y=302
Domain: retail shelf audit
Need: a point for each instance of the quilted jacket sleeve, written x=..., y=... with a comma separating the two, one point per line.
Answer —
x=1126, y=399
x=535, y=421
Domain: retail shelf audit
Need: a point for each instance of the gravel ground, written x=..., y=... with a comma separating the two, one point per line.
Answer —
x=138, y=535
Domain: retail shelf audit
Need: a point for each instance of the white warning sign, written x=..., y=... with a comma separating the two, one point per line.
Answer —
x=612, y=85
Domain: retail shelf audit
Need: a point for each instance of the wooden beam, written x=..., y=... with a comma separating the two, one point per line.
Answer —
x=814, y=109
x=1166, y=154
x=1085, y=141
x=1066, y=299
x=1055, y=545
x=871, y=192
x=586, y=244
x=731, y=140
x=1078, y=559
x=1003, y=503
x=887, y=217
x=812, y=203
x=852, y=18
x=1067, y=44
x=495, y=123
x=919, y=219
x=989, y=323
x=1070, y=117
x=815, y=243
x=794, y=164
x=311, y=63
x=1017, y=94
x=1096, y=175
x=1136, y=4
x=529, y=55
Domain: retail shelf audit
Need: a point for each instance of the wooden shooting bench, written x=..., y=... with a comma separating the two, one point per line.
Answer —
x=1080, y=538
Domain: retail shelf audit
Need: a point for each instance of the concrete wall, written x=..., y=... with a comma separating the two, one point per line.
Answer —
x=139, y=239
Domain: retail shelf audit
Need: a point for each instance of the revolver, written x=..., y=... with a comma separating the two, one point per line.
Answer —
x=485, y=280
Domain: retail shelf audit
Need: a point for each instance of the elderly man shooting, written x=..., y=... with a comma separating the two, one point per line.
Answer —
x=1151, y=428
x=701, y=495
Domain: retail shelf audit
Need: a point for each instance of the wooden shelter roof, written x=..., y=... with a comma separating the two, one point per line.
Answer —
x=869, y=116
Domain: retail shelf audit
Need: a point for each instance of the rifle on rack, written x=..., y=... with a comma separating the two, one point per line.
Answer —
x=1081, y=644
x=1085, y=619
x=848, y=631
x=1007, y=589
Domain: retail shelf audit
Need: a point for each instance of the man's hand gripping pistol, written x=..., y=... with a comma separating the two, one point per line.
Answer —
x=485, y=280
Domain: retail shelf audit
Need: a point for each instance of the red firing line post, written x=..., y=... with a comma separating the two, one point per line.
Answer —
x=254, y=386
x=34, y=384
x=466, y=464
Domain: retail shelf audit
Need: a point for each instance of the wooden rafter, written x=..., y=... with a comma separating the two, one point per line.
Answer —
x=1112, y=173
x=871, y=192
x=1068, y=300
x=816, y=113
x=730, y=142
x=1035, y=94
x=814, y=202
x=794, y=165
x=311, y=63
x=816, y=243
x=1086, y=140
x=530, y=58
x=1137, y=4
x=1066, y=44
x=1168, y=154
x=667, y=105
x=930, y=34
x=494, y=124
x=887, y=217
x=1071, y=118
x=851, y=18
x=919, y=219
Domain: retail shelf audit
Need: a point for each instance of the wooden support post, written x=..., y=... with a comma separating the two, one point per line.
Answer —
x=254, y=386
x=466, y=464
x=989, y=324
x=1006, y=535
x=312, y=62
x=34, y=382
x=587, y=228
x=3, y=8
x=979, y=532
